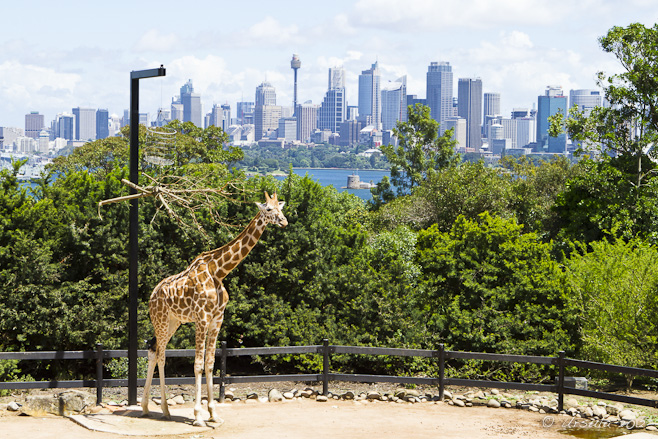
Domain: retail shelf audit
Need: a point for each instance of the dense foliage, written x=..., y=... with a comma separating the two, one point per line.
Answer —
x=524, y=258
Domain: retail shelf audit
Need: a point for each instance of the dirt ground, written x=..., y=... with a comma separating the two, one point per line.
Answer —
x=307, y=418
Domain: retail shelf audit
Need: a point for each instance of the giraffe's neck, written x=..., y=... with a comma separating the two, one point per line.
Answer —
x=224, y=259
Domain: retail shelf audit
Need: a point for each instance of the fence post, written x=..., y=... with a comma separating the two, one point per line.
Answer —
x=442, y=359
x=222, y=373
x=99, y=373
x=325, y=366
x=560, y=381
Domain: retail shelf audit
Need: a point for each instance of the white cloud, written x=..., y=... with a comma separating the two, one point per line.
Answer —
x=154, y=41
x=24, y=85
x=267, y=33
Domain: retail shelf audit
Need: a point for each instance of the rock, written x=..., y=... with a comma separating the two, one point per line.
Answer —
x=171, y=402
x=614, y=409
x=588, y=412
x=542, y=411
x=447, y=394
x=229, y=395
x=252, y=395
x=13, y=406
x=65, y=403
x=321, y=398
x=494, y=391
x=306, y=393
x=178, y=399
x=627, y=415
x=599, y=411
x=480, y=395
x=532, y=408
x=288, y=395
x=493, y=403
x=274, y=396
x=400, y=393
x=374, y=395
x=348, y=395
x=469, y=404
x=459, y=402
x=570, y=402
x=651, y=428
x=506, y=405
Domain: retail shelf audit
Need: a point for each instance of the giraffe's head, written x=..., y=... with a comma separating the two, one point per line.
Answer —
x=271, y=210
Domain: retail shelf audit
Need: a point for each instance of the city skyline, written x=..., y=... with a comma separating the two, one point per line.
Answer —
x=81, y=56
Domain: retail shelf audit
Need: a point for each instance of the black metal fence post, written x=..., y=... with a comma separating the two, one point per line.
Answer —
x=222, y=373
x=560, y=381
x=99, y=373
x=325, y=367
x=442, y=360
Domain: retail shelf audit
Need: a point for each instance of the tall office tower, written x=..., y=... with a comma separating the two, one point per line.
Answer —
x=191, y=104
x=526, y=131
x=439, y=91
x=552, y=102
x=336, y=78
x=458, y=124
x=215, y=116
x=307, y=121
x=404, y=114
x=266, y=120
x=176, y=109
x=102, y=124
x=370, y=105
x=8, y=136
x=287, y=129
x=585, y=100
x=295, y=64
x=34, y=123
x=265, y=94
x=226, y=116
x=491, y=106
x=333, y=110
x=64, y=126
x=349, y=132
x=391, y=102
x=469, y=96
x=85, y=123
x=245, y=113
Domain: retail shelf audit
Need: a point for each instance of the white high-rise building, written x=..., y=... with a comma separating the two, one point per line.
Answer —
x=392, y=104
x=85, y=123
x=585, y=100
x=439, y=92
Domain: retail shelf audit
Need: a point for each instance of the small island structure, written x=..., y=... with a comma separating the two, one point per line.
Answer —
x=354, y=182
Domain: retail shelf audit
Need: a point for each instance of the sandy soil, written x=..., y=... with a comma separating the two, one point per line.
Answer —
x=308, y=418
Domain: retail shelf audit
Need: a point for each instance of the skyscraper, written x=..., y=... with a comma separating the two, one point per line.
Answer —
x=64, y=126
x=85, y=123
x=439, y=92
x=266, y=120
x=244, y=113
x=265, y=94
x=34, y=123
x=102, y=124
x=552, y=102
x=370, y=105
x=226, y=116
x=307, y=121
x=191, y=104
x=333, y=110
x=585, y=100
x=391, y=104
x=469, y=98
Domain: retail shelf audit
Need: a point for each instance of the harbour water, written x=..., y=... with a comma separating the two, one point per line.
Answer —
x=337, y=177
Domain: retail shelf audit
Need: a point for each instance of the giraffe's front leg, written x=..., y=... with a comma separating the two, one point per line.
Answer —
x=201, y=331
x=211, y=345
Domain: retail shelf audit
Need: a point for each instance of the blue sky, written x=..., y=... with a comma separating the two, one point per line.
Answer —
x=58, y=55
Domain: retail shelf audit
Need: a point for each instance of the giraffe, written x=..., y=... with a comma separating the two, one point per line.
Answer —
x=197, y=295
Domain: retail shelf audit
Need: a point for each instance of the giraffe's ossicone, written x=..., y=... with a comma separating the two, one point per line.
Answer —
x=197, y=295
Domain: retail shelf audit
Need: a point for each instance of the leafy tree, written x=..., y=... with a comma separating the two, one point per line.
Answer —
x=490, y=287
x=421, y=151
x=614, y=293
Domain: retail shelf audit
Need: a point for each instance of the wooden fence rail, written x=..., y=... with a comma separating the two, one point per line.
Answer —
x=326, y=350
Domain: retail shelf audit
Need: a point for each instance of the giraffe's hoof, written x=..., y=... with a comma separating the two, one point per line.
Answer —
x=145, y=415
x=199, y=423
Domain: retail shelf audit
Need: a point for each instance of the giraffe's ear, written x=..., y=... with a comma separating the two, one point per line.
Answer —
x=281, y=204
x=261, y=206
x=267, y=197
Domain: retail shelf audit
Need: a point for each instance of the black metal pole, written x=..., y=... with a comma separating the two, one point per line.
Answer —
x=133, y=286
x=99, y=373
x=442, y=362
x=133, y=251
x=560, y=381
x=325, y=366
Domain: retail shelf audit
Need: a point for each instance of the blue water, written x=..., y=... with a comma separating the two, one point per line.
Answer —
x=337, y=177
